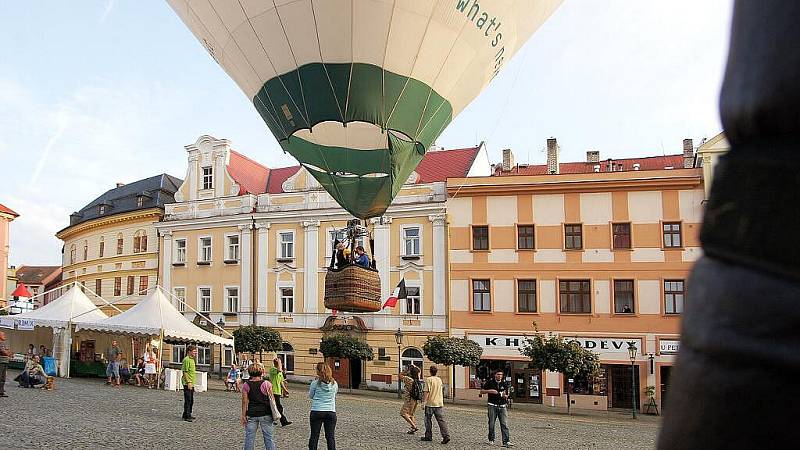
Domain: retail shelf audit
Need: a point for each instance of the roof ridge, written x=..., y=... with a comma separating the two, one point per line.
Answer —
x=250, y=159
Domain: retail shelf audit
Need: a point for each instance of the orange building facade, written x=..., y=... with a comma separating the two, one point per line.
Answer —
x=598, y=252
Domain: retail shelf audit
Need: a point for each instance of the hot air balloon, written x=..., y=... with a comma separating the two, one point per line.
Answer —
x=358, y=90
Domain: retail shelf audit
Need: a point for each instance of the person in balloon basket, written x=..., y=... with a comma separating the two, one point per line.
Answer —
x=188, y=377
x=433, y=399
x=361, y=257
x=258, y=408
x=497, y=406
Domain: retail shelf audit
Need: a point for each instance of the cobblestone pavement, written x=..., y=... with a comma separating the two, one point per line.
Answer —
x=84, y=413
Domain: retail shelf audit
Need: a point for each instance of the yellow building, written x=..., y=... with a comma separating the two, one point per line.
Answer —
x=6, y=216
x=250, y=245
x=598, y=251
x=111, y=245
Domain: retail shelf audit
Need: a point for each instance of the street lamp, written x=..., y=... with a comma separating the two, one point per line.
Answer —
x=632, y=353
x=221, y=324
x=398, y=338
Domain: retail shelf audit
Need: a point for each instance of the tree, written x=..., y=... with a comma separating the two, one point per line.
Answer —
x=558, y=355
x=345, y=346
x=452, y=351
x=254, y=339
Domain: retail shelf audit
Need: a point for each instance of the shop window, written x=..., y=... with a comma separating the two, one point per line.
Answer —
x=525, y=237
x=526, y=295
x=480, y=237
x=674, y=293
x=573, y=236
x=203, y=355
x=672, y=234
x=588, y=385
x=621, y=235
x=178, y=353
x=575, y=296
x=481, y=295
x=623, y=297
x=411, y=356
x=286, y=355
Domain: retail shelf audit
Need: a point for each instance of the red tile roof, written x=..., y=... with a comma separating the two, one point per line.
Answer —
x=6, y=210
x=437, y=165
x=38, y=274
x=251, y=176
x=440, y=165
x=278, y=176
x=619, y=165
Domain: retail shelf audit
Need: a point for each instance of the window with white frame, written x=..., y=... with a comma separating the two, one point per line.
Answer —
x=411, y=241
x=204, y=299
x=208, y=177
x=178, y=352
x=180, y=298
x=413, y=303
x=180, y=250
x=227, y=356
x=287, y=300
x=287, y=244
x=286, y=355
x=232, y=299
x=205, y=249
x=333, y=235
x=203, y=355
x=411, y=356
x=233, y=247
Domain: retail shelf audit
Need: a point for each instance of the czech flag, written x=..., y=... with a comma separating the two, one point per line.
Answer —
x=398, y=294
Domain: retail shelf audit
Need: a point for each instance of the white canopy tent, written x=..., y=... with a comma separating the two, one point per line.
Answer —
x=155, y=315
x=72, y=307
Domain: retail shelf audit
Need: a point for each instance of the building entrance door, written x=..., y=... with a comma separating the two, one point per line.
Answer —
x=341, y=371
x=527, y=385
x=355, y=373
x=622, y=385
x=665, y=374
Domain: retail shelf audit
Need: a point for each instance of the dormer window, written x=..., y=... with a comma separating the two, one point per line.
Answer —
x=139, y=201
x=208, y=177
x=102, y=209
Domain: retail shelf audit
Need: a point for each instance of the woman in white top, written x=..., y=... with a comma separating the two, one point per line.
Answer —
x=150, y=362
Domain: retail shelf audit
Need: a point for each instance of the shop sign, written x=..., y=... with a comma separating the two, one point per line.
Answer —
x=606, y=345
x=668, y=347
x=25, y=324
x=499, y=345
x=6, y=322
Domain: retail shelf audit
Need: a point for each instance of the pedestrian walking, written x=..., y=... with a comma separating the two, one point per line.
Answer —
x=322, y=393
x=279, y=388
x=434, y=405
x=257, y=396
x=5, y=354
x=497, y=406
x=413, y=390
x=189, y=369
x=112, y=370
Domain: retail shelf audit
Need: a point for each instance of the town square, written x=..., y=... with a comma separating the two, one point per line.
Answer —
x=399, y=224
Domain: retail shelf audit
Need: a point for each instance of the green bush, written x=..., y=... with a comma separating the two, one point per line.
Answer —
x=254, y=339
x=452, y=351
x=345, y=346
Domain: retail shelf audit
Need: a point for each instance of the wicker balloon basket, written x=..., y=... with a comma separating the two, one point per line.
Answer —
x=353, y=289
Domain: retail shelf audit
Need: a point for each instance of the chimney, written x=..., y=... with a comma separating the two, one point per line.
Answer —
x=593, y=156
x=688, y=154
x=119, y=185
x=508, y=160
x=552, y=156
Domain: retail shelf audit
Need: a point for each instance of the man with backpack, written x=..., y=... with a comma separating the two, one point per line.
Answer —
x=413, y=392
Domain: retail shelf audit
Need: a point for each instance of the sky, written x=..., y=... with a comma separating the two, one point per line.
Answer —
x=98, y=92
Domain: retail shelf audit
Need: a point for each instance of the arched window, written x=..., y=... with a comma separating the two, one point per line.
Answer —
x=102, y=246
x=120, y=241
x=140, y=242
x=72, y=254
x=410, y=356
x=286, y=355
x=85, y=250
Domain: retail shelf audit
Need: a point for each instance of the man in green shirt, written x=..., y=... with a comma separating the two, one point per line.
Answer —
x=189, y=370
x=279, y=388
